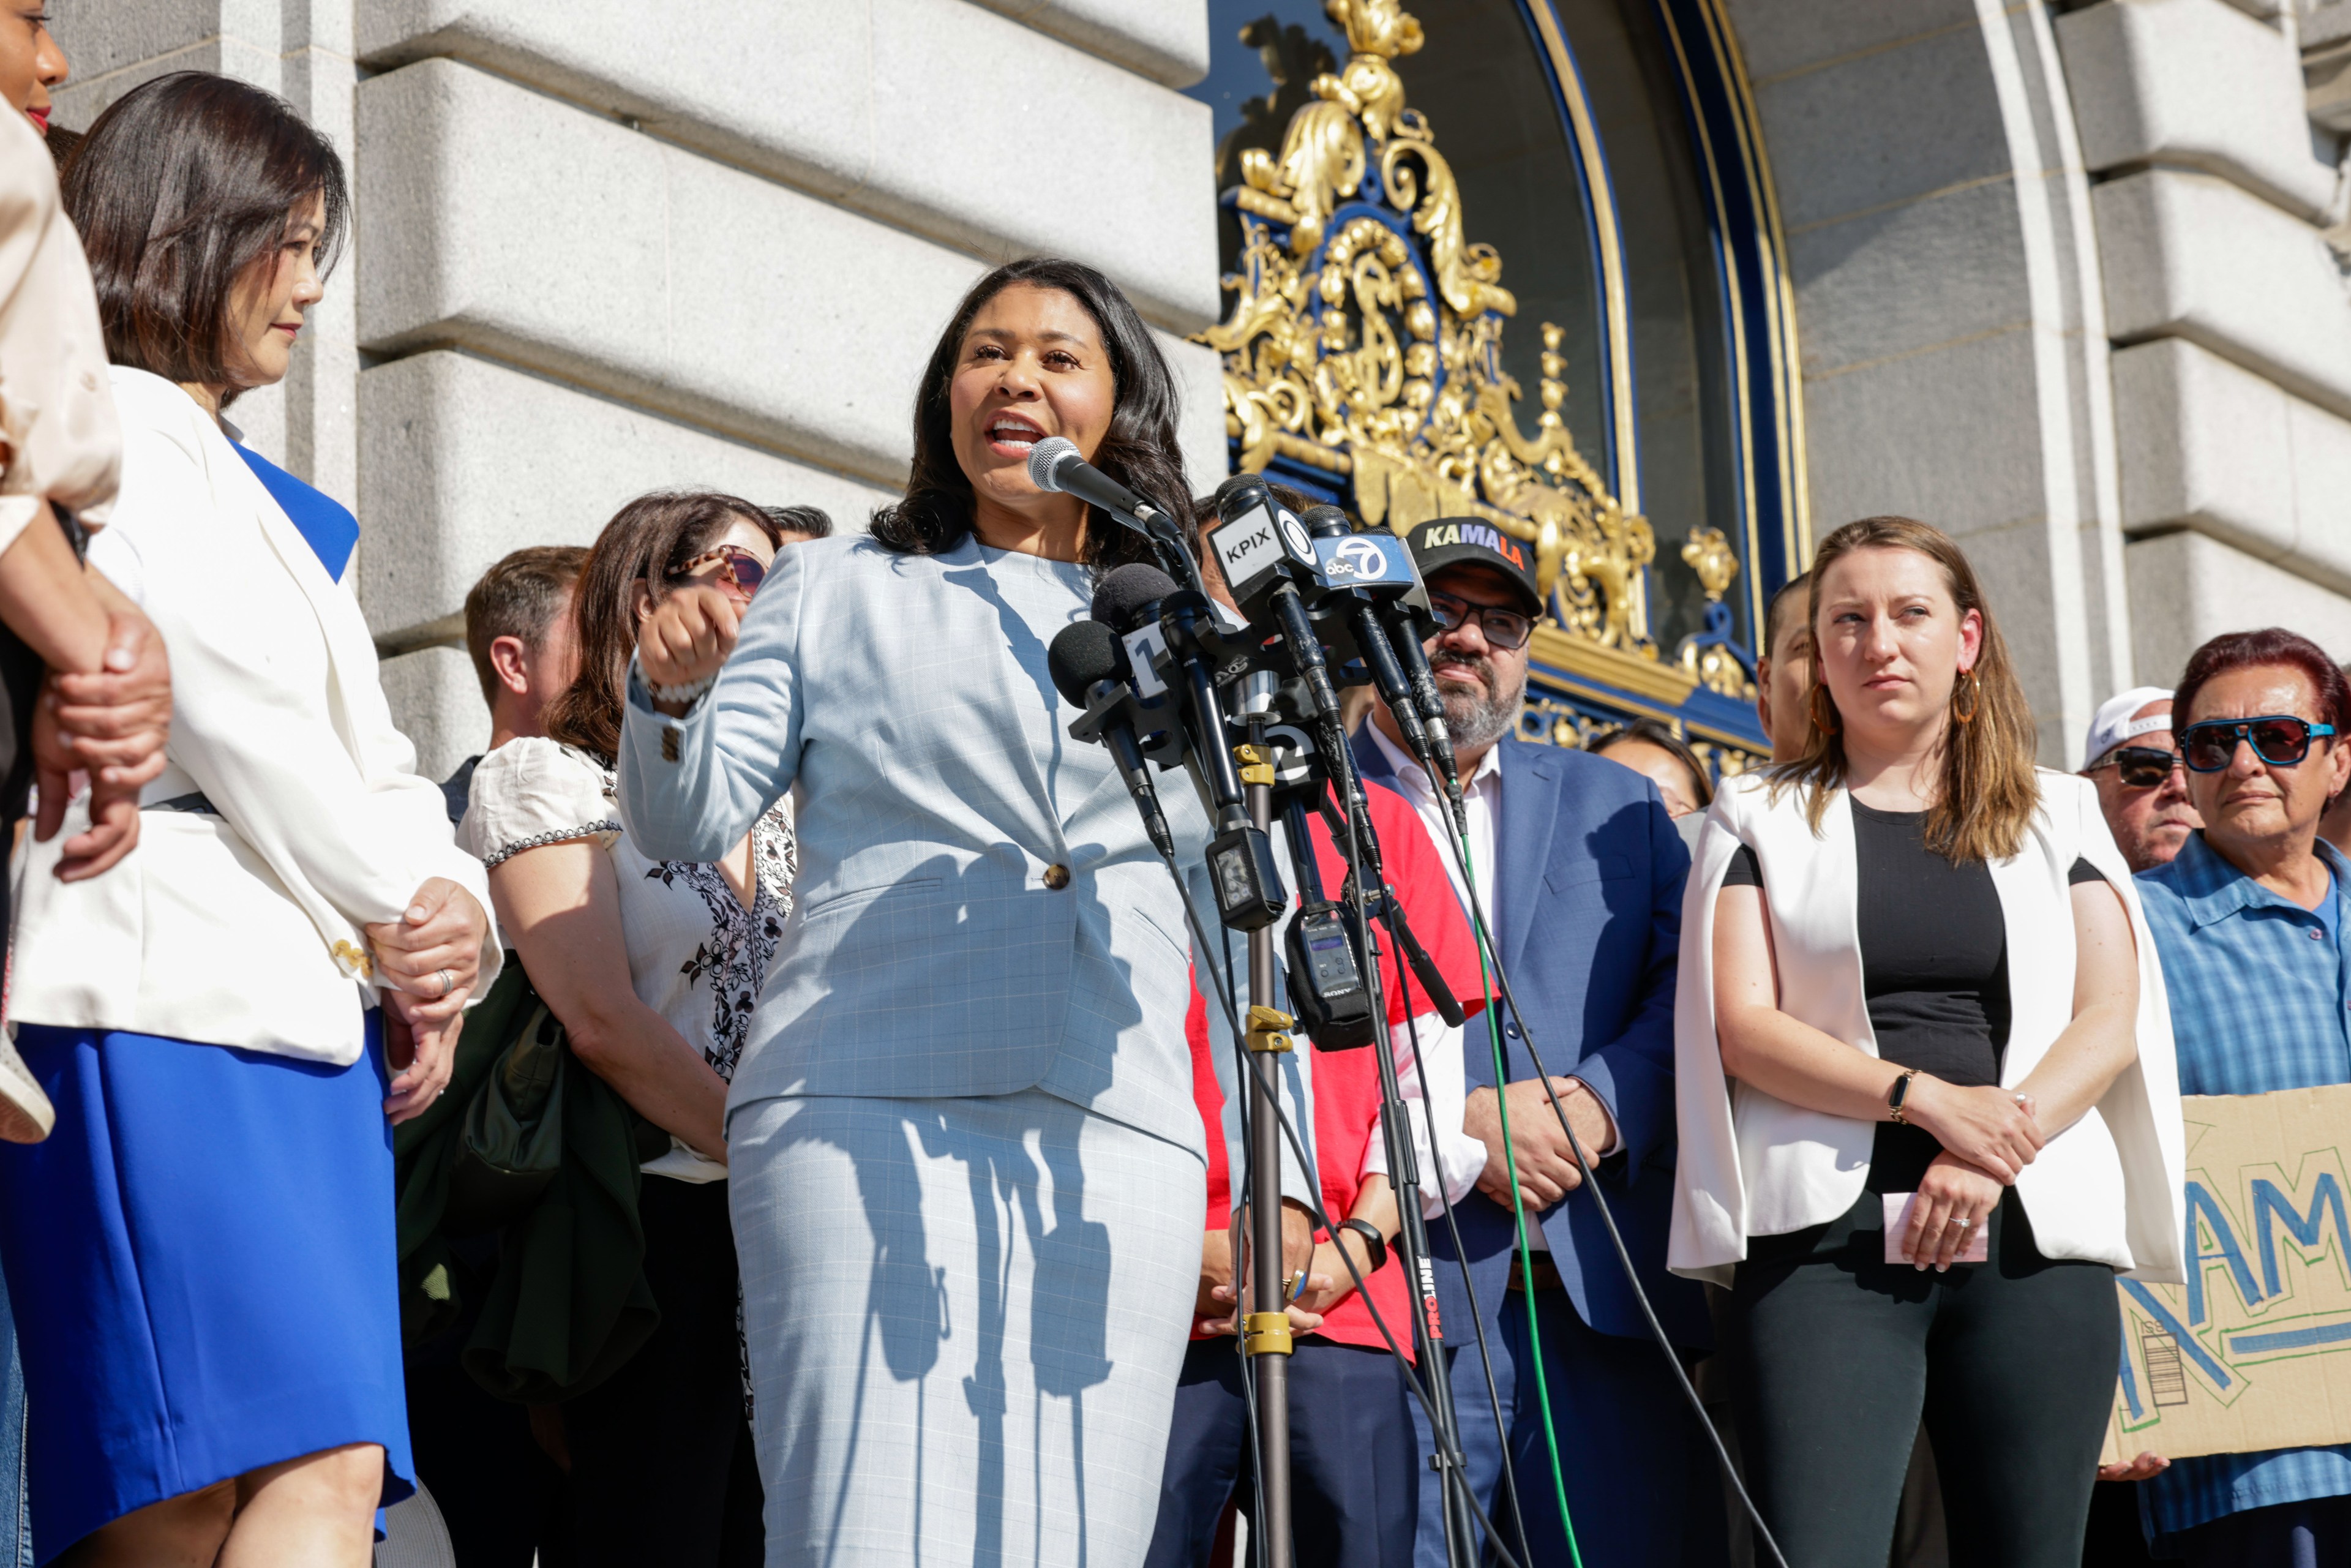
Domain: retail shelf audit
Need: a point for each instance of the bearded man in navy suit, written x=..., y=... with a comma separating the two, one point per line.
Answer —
x=1579, y=872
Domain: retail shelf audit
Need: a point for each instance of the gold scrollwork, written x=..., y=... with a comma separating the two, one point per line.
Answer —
x=1364, y=338
x=1708, y=554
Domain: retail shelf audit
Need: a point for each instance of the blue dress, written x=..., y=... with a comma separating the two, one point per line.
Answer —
x=203, y=1256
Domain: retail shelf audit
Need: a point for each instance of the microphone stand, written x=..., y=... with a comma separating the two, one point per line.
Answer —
x=1360, y=846
x=1265, y=1331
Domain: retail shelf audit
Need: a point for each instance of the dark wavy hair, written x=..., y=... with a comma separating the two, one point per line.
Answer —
x=1139, y=450
x=648, y=540
x=184, y=185
x=2271, y=645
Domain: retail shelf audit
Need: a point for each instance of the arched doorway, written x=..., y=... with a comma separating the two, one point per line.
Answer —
x=1519, y=262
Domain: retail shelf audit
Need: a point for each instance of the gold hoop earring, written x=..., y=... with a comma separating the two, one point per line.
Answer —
x=1812, y=710
x=1974, y=689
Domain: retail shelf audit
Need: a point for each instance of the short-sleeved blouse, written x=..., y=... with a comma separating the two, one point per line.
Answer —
x=696, y=955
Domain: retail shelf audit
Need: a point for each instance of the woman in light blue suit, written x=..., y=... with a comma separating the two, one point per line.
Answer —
x=966, y=1163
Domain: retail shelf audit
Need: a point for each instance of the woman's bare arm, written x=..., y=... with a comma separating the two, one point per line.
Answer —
x=560, y=904
x=2102, y=1039
x=1789, y=1059
x=45, y=598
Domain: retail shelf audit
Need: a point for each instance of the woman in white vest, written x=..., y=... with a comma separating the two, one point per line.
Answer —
x=202, y=1255
x=1927, y=1096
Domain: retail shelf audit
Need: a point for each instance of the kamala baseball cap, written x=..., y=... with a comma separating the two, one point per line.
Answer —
x=2113, y=725
x=1473, y=542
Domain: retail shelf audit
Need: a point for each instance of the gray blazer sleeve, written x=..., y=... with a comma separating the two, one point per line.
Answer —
x=692, y=787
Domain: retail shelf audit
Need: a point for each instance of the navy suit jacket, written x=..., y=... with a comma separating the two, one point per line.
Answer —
x=1586, y=914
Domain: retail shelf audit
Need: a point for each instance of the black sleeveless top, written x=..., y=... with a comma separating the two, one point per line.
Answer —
x=1934, y=948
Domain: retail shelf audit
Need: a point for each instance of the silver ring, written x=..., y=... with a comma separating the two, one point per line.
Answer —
x=448, y=983
x=1963, y=1224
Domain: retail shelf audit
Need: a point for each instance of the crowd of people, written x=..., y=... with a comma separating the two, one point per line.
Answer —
x=774, y=1104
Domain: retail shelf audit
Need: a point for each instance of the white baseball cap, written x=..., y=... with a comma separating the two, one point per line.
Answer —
x=2114, y=725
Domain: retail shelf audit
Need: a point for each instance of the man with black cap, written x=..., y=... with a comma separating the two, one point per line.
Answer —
x=1578, y=872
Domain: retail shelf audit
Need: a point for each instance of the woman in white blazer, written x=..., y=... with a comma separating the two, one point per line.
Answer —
x=1926, y=1098
x=201, y=1256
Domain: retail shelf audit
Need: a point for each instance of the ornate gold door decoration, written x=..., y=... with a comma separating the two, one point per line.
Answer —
x=1365, y=335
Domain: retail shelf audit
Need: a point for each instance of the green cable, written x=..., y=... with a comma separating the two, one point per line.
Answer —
x=1518, y=1203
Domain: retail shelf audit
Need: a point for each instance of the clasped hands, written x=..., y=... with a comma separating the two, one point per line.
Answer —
x=427, y=963
x=1546, y=1167
x=1218, y=1306
x=1989, y=1136
x=111, y=726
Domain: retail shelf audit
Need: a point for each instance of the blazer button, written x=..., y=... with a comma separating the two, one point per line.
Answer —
x=1057, y=877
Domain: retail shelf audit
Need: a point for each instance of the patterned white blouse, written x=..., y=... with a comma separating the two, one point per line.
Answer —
x=696, y=955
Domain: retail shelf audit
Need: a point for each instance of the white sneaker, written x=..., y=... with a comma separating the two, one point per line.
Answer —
x=26, y=1114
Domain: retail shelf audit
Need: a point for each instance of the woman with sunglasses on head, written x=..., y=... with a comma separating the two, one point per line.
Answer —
x=653, y=967
x=2249, y=918
x=1925, y=1085
x=201, y=1256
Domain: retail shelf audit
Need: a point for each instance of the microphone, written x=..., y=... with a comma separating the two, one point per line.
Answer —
x=1267, y=555
x=1084, y=659
x=1362, y=619
x=1055, y=463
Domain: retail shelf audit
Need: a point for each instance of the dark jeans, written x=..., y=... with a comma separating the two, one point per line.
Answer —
x=1640, y=1477
x=1835, y=1355
x=663, y=1471
x=1354, y=1466
x=2315, y=1534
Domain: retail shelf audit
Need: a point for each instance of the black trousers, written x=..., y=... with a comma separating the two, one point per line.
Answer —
x=1834, y=1354
x=1355, y=1483
x=663, y=1471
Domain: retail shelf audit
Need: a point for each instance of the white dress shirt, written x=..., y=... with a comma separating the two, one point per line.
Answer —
x=1482, y=803
x=1461, y=1158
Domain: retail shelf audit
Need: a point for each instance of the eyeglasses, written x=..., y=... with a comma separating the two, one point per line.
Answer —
x=1505, y=628
x=2279, y=739
x=737, y=565
x=2140, y=767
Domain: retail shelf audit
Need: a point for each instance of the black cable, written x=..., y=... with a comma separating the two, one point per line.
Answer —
x=1617, y=1238
x=1289, y=1132
x=1351, y=791
x=1477, y=1313
x=1242, y=1110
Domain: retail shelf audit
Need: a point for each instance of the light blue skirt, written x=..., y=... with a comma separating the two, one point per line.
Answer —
x=202, y=1262
x=965, y=1320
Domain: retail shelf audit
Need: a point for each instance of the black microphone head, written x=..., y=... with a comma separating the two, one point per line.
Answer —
x=1083, y=654
x=1120, y=600
x=1325, y=522
x=1045, y=460
x=1237, y=495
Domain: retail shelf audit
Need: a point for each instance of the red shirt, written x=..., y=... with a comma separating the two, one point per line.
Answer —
x=1347, y=1083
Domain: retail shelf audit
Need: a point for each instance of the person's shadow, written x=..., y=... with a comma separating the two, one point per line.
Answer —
x=1027, y=1197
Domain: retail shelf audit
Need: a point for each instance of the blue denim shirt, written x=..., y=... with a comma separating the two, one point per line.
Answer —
x=2260, y=1000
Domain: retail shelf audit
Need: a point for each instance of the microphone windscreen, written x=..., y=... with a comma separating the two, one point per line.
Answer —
x=1124, y=593
x=1325, y=522
x=1045, y=459
x=1082, y=653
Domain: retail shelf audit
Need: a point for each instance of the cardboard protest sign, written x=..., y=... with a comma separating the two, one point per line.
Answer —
x=2254, y=1351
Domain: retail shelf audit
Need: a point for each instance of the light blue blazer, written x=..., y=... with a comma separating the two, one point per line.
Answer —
x=977, y=911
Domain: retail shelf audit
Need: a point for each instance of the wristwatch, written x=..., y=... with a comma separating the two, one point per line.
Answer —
x=1372, y=1237
x=1899, y=1094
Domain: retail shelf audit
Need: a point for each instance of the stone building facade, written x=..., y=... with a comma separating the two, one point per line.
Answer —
x=2067, y=279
